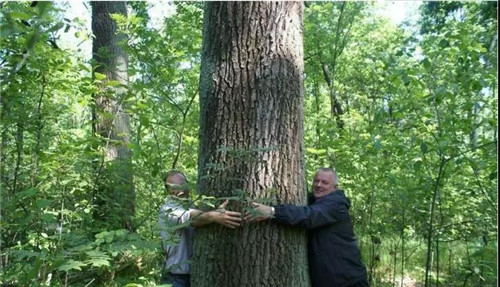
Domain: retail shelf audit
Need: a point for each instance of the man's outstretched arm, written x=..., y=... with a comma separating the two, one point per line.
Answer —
x=306, y=216
x=230, y=219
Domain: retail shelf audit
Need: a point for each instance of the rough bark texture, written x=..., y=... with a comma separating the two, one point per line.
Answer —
x=251, y=140
x=111, y=122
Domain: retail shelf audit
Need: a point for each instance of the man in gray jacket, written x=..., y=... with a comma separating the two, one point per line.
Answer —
x=177, y=217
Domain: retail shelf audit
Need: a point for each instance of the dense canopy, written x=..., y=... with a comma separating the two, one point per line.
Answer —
x=406, y=114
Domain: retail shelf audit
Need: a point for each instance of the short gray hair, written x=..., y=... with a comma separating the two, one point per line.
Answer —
x=330, y=170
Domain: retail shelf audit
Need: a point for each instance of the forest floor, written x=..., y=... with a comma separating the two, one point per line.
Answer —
x=407, y=282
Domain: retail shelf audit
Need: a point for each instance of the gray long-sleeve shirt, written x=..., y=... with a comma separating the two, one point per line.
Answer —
x=177, y=236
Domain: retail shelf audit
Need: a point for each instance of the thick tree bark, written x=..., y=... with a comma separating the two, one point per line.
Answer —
x=110, y=121
x=251, y=140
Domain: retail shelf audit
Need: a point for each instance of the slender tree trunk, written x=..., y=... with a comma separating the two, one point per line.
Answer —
x=373, y=239
x=317, y=107
x=110, y=121
x=251, y=140
x=469, y=274
x=336, y=107
x=439, y=228
x=3, y=140
x=437, y=260
x=430, y=234
x=394, y=265
x=181, y=132
x=19, y=154
x=449, y=260
x=34, y=171
x=402, y=235
x=473, y=134
x=342, y=31
x=481, y=270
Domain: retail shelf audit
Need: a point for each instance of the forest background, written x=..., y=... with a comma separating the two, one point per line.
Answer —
x=407, y=115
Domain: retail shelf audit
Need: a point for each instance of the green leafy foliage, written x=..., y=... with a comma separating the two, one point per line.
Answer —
x=415, y=128
x=416, y=153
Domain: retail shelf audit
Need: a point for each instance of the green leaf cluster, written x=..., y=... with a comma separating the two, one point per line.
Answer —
x=414, y=141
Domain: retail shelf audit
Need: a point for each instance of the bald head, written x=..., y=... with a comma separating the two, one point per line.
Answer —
x=176, y=183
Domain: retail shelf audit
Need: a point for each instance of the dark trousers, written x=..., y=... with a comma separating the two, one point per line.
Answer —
x=360, y=284
x=177, y=280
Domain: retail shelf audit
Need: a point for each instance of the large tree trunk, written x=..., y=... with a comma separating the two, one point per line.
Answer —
x=111, y=123
x=251, y=140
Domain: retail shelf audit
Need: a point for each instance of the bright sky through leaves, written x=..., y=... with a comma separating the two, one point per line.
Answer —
x=397, y=11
